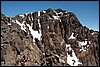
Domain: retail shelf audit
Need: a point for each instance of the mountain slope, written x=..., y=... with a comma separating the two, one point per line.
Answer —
x=47, y=38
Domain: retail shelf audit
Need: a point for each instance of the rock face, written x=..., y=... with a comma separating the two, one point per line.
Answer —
x=47, y=38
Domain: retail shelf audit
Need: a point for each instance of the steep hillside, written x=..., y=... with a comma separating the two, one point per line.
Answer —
x=47, y=38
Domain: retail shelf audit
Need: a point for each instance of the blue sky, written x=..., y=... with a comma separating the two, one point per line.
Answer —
x=86, y=11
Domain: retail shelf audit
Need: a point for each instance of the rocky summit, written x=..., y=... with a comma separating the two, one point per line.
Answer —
x=47, y=38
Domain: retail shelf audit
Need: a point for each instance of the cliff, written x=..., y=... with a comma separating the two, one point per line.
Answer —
x=47, y=38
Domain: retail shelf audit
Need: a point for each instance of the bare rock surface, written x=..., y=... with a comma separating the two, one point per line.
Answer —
x=47, y=38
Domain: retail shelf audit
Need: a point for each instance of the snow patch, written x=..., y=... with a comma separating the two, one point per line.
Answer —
x=22, y=25
x=22, y=16
x=35, y=34
x=13, y=21
x=66, y=12
x=56, y=17
x=82, y=49
x=92, y=33
x=18, y=22
x=26, y=13
x=62, y=42
x=61, y=60
x=89, y=42
x=44, y=54
x=44, y=11
x=56, y=55
x=60, y=13
x=50, y=17
x=9, y=23
x=60, y=20
x=38, y=13
x=39, y=22
x=29, y=17
x=48, y=27
x=72, y=37
x=53, y=33
x=87, y=45
x=70, y=59
x=68, y=47
x=55, y=12
x=83, y=43
x=39, y=27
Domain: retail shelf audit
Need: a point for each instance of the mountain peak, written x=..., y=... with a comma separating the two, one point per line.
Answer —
x=47, y=38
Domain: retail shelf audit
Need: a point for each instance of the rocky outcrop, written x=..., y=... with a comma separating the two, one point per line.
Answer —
x=47, y=38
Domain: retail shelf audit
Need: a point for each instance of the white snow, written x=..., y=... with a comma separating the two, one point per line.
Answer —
x=60, y=13
x=66, y=12
x=43, y=53
x=55, y=17
x=38, y=13
x=56, y=12
x=38, y=16
x=56, y=55
x=92, y=33
x=26, y=13
x=72, y=37
x=68, y=47
x=87, y=45
x=35, y=34
x=82, y=49
x=22, y=16
x=44, y=11
x=9, y=23
x=13, y=21
x=62, y=42
x=53, y=32
x=31, y=16
x=70, y=60
x=31, y=24
x=22, y=25
x=50, y=17
x=61, y=60
x=83, y=43
x=89, y=42
x=60, y=20
x=39, y=22
x=18, y=22
x=48, y=27
x=39, y=27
